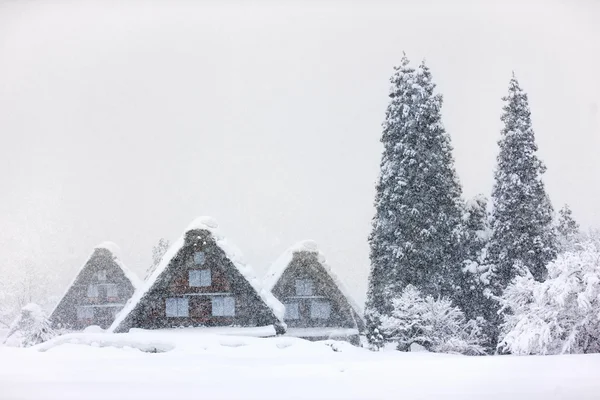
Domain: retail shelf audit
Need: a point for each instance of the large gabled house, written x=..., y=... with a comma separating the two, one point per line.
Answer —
x=317, y=304
x=201, y=282
x=99, y=291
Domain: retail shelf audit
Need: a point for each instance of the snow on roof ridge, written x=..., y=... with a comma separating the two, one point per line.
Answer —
x=233, y=254
x=115, y=250
x=110, y=246
x=277, y=269
x=204, y=222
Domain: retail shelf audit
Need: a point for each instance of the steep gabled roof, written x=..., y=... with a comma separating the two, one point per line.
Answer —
x=231, y=252
x=277, y=269
x=114, y=251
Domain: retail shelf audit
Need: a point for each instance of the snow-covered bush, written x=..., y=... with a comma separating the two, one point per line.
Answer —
x=30, y=327
x=560, y=315
x=434, y=324
x=375, y=340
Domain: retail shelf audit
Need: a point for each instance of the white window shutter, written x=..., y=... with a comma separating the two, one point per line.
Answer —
x=229, y=306
x=194, y=278
x=304, y=287
x=320, y=310
x=199, y=258
x=292, y=311
x=111, y=291
x=205, y=277
x=101, y=275
x=200, y=278
x=217, y=306
x=171, y=307
x=92, y=291
x=183, y=309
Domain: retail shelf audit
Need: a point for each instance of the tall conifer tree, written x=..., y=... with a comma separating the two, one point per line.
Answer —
x=418, y=208
x=568, y=228
x=522, y=230
x=474, y=283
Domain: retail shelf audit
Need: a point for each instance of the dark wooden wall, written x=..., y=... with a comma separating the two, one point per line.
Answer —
x=150, y=313
x=305, y=265
x=65, y=314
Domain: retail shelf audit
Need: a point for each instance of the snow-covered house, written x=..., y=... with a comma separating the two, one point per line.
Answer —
x=317, y=304
x=99, y=291
x=201, y=281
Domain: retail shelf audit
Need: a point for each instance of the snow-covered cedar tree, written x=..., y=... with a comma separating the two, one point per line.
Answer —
x=374, y=337
x=30, y=327
x=436, y=325
x=567, y=229
x=522, y=229
x=414, y=238
x=158, y=251
x=474, y=281
x=560, y=315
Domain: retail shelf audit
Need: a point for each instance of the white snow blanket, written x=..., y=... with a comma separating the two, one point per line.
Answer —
x=200, y=364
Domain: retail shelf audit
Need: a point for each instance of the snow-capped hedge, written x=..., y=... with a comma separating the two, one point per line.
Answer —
x=560, y=315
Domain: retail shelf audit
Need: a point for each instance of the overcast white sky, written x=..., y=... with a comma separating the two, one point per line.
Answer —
x=124, y=121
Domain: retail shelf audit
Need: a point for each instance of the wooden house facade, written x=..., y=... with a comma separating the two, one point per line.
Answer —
x=317, y=306
x=201, y=282
x=98, y=292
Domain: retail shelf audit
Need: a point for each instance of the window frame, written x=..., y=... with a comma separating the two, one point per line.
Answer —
x=225, y=309
x=202, y=280
x=301, y=286
x=85, y=313
x=199, y=255
x=93, y=291
x=112, y=290
x=315, y=313
x=181, y=304
x=294, y=305
x=101, y=275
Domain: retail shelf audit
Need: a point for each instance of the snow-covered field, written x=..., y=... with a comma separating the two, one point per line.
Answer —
x=205, y=364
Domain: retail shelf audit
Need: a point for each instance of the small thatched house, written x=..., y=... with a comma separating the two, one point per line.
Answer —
x=201, y=281
x=317, y=305
x=97, y=294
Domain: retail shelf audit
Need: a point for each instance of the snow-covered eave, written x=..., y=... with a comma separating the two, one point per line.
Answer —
x=232, y=253
x=277, y=269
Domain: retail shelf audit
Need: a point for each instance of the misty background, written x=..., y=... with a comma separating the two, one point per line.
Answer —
x=125, y=121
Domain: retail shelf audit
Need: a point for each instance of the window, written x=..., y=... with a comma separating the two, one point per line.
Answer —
x=176, y=307
x=292, y=311
x=304, y=287
x=223, y=306
x=101, y=275
x=200, y=278
x=320, y=309
x=85, y=312
x=92, y=291
x=112, y=291
x=199, y=258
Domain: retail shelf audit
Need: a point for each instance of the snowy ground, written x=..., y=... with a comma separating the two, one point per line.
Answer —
x=207, y=364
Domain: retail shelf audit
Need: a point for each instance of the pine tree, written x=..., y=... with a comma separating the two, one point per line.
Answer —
x=522, y=231
x=474, y=279
x=158, y=251
x=418, y=208
x=435, y=324
x=31, y=327
x=567, y=228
